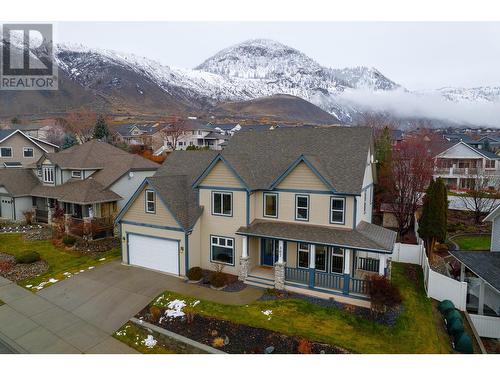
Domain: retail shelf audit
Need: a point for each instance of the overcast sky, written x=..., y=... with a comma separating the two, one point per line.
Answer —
x=416, y=55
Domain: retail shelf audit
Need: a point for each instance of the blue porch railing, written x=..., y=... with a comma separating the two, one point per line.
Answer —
x=368, y=264
x=332, y=281
x=329, y=280
x=297, y=275
x=358, y=286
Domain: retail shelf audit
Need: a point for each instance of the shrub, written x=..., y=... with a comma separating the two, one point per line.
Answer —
x=155, y=312
x=218, y=279
x=304, y=347
x=6, y=266
x=28, y=217
x=195, y=273
x=69, y=240
x=27, y=257
x=383, y=294
x=218, y=342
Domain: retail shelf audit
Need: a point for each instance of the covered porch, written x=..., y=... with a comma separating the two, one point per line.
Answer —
x=300, y=257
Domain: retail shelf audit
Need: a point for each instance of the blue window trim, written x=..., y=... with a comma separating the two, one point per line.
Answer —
x=222, y=203
x=146, y=191
x=331, y=210
x=234, y=250
x=308, y=255
x=308, y=206
x=264, y=204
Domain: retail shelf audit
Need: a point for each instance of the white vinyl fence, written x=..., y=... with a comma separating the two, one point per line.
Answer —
x=437, y=286
x=486, y=326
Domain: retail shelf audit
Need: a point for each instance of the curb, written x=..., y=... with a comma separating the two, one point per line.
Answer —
x=12, y=345
x=177, y=337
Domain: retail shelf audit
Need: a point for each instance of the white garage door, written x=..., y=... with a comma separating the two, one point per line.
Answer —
x=154, y=253
x=6, y=208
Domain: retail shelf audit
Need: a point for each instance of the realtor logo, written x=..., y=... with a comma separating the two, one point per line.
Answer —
x=27, y=61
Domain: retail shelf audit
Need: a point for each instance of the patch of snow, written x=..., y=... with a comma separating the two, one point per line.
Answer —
x=195, y=303
x=174, y=308
x=149, y=342
x=100, y=260
x=51, y=280
x=267, y=313
x=91, y=267
x=29, y=286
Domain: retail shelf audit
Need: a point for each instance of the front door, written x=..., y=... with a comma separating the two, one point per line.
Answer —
x=269, y=252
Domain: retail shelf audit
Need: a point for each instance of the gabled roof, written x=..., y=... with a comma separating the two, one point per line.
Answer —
x=111, y=162
x=7, y=133
x=481, y=153
x=493, y=214
x=18, y=182
x=485, y=264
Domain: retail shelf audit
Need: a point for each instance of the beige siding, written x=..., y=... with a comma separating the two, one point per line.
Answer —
x=137, y=213
x=194, y=246
x=319, y=209
x=221, y=226
x=221, y=175
x=17, y=142
x=291, y=254
x=302, y=177
x=147, y=231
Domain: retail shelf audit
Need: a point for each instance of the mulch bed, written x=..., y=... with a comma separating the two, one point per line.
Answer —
x=236, y=338
x=96, y=246
x=233, y=284
x=17, y=272
x=388, y=318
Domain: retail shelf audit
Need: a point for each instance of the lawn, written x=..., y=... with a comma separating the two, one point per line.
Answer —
x=418, y=330
x=59, y=260
x=482, y=242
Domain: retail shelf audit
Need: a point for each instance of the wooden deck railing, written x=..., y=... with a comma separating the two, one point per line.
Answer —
x=329, y=280
x=297, y=275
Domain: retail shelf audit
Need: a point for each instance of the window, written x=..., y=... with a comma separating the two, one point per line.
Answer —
x=222, y=204
x=490, y=163
x=337, y=206
x=303, y=255
x=337, y=260
x=39, y=172
x=320, y=257
x=302, y=207
x=48, y=175
x=150, y=202
x=222, y=250
x=6, y=152
x=364, y=201
x=270, y=205
x=28, y=152
x=76, y=174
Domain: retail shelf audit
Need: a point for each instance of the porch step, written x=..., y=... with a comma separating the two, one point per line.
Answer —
x=259, y=282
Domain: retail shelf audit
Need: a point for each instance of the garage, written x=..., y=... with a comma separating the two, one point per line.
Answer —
x=6, y=208
x=155, y=253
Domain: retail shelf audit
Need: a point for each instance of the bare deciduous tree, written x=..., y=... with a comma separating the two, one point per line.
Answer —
x=174, y=132
x=480, y=198
x=81, y=124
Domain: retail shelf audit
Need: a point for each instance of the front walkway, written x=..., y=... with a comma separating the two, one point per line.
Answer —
x=79, y=315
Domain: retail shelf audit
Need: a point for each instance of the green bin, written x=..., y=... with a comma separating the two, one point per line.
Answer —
x=451, y=316
x=445, y=306
x=463, y=344
x=456, y=328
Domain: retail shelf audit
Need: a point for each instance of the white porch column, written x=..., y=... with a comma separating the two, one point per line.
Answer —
x=281, y=258
x=347, y=261
x=462, y=272
x=480, y=307
x=382, y=264
x=312, y=256
x=244, y=247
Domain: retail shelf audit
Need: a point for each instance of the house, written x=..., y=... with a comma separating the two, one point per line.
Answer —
x=85, y=182
x=17, y=149
x=460, y=165
x=137, y=134
x=289, y=209
x=191, y=132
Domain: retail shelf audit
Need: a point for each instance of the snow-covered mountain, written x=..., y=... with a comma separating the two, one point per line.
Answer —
x=249, y=70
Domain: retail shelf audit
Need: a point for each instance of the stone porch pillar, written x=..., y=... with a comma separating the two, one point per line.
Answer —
x=347, y=270
x=67, y=218
x=279, y=268
x=244, y=260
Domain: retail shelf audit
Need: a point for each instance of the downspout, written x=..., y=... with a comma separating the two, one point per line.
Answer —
x=186, y=251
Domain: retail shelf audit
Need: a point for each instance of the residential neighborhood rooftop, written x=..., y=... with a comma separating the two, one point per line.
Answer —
x=485, y=264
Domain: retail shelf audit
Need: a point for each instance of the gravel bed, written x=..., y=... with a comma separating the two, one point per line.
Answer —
x=38, y=234
x=18, y=228
x=19, y=271
x=96, y=246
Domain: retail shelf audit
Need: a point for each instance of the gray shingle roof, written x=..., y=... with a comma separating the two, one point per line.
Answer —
x=338, y=153
x=173, y=182
x=365, y=236
x=485, y=264
x=5, y=133
x=18, y=182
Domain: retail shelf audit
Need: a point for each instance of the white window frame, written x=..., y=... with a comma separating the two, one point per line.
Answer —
x=48, y=174
x=32, y=152
x=333, y=254
x=6, y=148
x=147, y=201
x=332, y=210
x=221, y=241
x=303, y=250
x=265, y=205
x=494, y=164
x=222, y=193
x=39, y=172
x=76, y=174
x=297, y=196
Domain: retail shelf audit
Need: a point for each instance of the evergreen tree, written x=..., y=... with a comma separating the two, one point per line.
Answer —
x=69, y=140
x=433, y=223
x=101, y=130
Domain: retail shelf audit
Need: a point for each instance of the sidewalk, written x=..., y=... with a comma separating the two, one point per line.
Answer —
x=31, y=324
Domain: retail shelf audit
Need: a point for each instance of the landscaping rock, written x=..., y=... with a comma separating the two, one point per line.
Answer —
x=96, y=246
x=20, y=272
x=38, y=234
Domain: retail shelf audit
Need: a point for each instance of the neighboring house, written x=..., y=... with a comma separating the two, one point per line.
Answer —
x=136, y=134
x=289, y=209
x=460, y=165
x=92, y=180
x=191, y=133
x=488, y=143
x=17, y=149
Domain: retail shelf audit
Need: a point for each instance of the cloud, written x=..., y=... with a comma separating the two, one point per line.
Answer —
x=431, y=105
